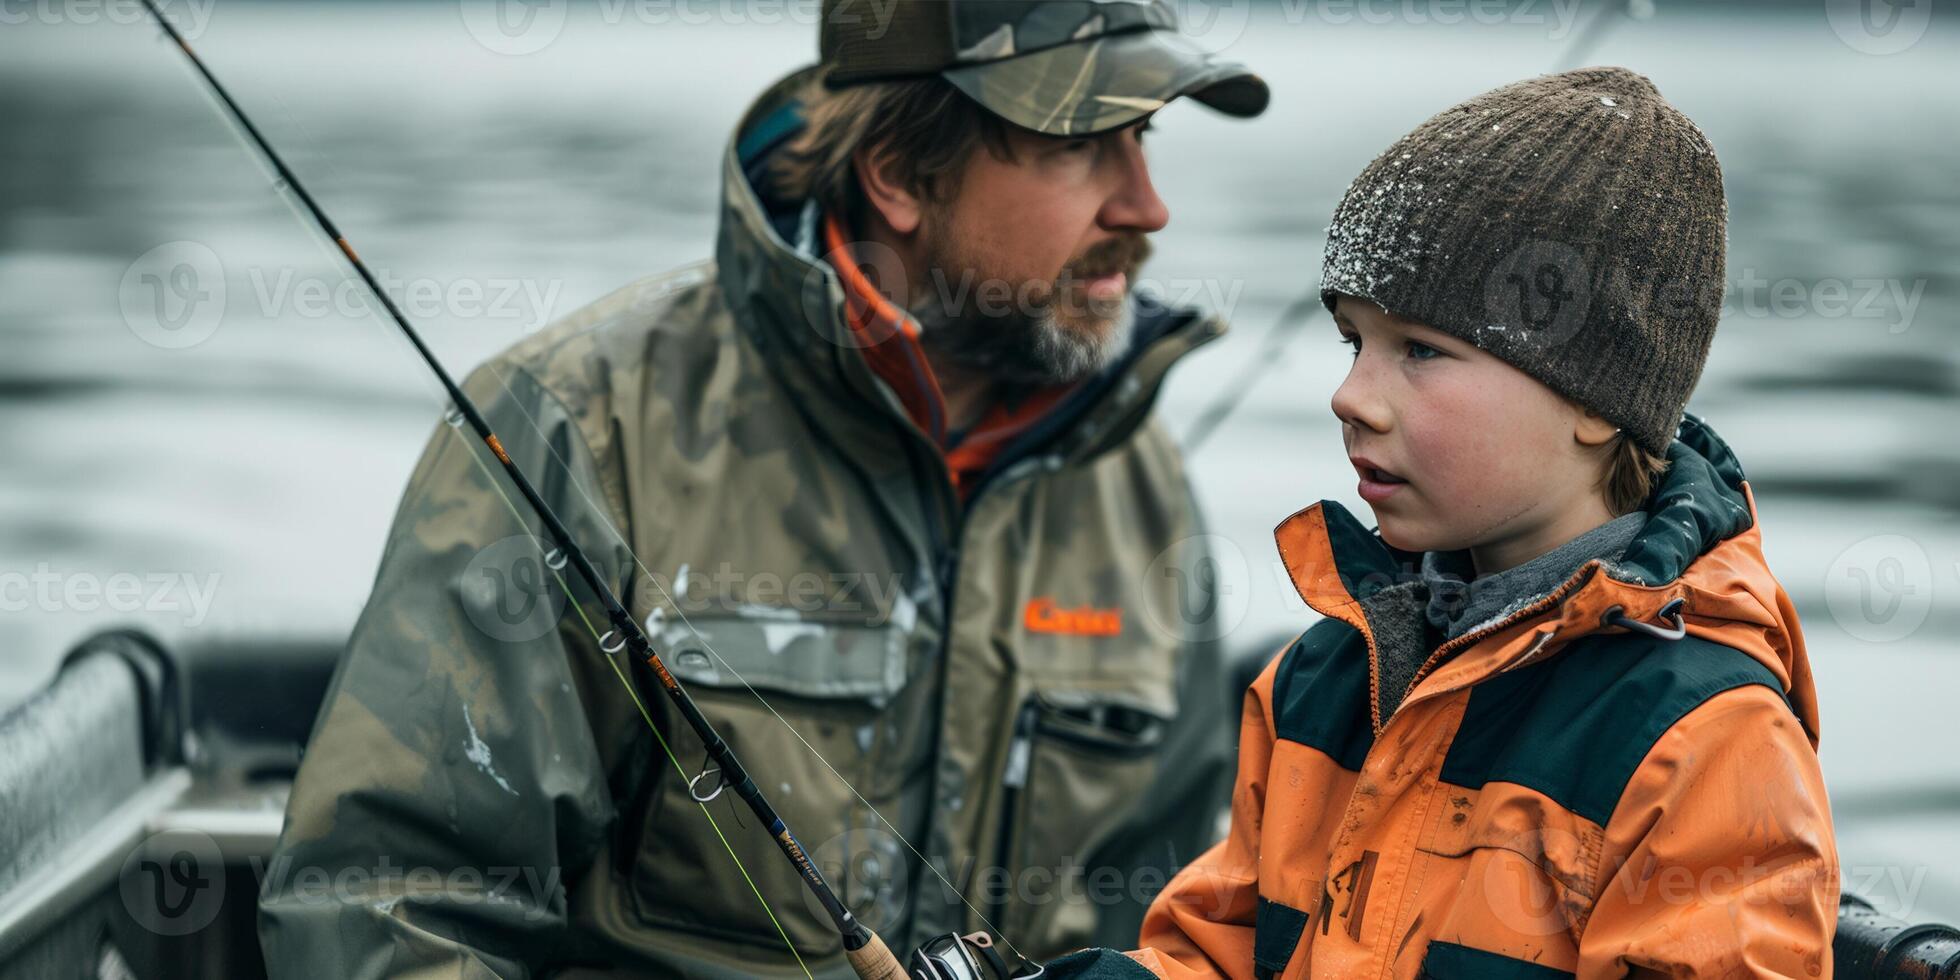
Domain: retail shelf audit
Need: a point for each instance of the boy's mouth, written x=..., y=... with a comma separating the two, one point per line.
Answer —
x=1377, y=484
x=1369, y=471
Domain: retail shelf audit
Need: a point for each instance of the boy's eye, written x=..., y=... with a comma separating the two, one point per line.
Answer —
x=1418, y=351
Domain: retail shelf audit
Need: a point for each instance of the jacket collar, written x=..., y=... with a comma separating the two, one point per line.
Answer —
x=1702, y=545
x=792, y=308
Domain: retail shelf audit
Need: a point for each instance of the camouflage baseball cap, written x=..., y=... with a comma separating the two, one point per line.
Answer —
x=1060, y=67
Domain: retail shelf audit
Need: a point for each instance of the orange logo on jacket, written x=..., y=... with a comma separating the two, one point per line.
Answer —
x=1043, y=616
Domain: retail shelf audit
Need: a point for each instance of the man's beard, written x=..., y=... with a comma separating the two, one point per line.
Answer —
x=1030, y=334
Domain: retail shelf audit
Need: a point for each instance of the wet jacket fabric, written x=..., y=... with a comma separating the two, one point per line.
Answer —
x=1559, y=794
x=997, y=677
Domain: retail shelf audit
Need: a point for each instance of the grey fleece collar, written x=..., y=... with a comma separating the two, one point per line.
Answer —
x=1457, y=606
x=1411, y=619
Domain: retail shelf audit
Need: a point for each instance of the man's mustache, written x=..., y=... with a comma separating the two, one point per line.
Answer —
x=1125, y=253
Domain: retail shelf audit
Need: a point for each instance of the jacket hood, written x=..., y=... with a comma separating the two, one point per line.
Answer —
x=792, y=307
x=1701, y=547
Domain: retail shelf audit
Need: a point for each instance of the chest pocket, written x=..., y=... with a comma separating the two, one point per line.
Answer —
x=1076, y=768
x=1095, y=705
x=812, y=705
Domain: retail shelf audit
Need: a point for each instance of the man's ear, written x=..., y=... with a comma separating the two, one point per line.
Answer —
x=1593, y=431
x=877, y=170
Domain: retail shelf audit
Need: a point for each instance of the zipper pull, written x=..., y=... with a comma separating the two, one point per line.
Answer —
x=1020, y=752
x=949, y=565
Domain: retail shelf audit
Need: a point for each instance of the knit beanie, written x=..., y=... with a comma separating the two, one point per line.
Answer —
x=1572, y=225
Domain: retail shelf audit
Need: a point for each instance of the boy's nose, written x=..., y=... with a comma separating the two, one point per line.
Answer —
x=1355, y=404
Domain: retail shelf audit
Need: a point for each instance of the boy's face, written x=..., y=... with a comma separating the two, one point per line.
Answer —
x=1476, y=453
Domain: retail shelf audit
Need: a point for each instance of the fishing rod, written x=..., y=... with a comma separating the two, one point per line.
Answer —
x=950, y=957
x=1271, y=353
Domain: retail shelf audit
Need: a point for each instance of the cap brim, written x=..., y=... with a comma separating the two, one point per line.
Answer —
x=1094, y=86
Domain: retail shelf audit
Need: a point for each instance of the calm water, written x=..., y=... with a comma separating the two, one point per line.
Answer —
x=244, y=482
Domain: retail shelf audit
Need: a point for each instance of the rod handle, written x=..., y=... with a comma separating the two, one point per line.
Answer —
x=873, y=961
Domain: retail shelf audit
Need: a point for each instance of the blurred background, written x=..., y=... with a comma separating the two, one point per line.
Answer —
x=202, y=431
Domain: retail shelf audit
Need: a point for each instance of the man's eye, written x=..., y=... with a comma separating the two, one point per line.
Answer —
x=1077, y=146
x=1353, y=341
x=1421, y=352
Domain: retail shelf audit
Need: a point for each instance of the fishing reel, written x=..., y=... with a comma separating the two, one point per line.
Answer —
x=971, y=957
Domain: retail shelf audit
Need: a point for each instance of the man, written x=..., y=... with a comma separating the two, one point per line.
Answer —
x=883, y=484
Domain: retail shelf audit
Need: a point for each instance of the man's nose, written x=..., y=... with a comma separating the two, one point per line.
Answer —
x=1134, y=206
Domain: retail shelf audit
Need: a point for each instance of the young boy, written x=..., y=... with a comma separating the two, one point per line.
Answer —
x=1559, y=719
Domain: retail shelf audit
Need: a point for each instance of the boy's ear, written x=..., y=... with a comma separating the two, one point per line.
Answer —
x=877, y=174
x=1591, y=430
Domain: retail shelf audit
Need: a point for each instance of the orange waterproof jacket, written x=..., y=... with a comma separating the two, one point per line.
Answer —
x=1559, y=793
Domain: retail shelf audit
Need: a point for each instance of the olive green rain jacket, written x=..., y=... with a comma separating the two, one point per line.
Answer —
x=1027, y=687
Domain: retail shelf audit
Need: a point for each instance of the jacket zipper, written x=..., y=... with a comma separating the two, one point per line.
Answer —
x=1551, y=600
x=1020, y=759
x=948, y=528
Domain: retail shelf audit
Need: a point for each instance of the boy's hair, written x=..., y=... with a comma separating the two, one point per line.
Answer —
x=1631, y=475
x=930, y=127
